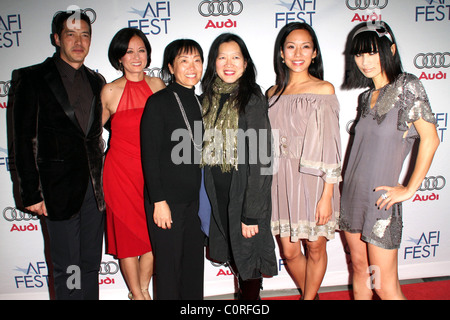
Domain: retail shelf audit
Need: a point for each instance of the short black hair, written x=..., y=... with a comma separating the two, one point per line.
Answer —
x=175, y=48
x=61, y=17
x=368, y=38
x=119, y=46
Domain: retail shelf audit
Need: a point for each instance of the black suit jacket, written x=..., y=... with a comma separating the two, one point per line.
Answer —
x=54, y=158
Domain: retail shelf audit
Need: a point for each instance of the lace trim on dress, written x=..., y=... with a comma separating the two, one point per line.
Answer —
x=304, y=229
x=332, y=171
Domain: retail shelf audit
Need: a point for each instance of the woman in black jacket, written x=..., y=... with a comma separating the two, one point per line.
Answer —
x=238, y=176
x=172, y=175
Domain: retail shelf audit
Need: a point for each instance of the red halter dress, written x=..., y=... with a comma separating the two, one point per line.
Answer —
x=123, y=181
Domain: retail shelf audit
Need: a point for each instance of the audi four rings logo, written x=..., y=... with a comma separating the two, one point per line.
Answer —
x=432, y=60
x=4, y=88
x=366, y=4
x=12, y=214
x=432, y=183
x=88, y=11
x=217, y=8
x=109, y=267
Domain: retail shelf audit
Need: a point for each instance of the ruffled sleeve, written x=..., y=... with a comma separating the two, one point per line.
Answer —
x=413, y=104
x=321, y=155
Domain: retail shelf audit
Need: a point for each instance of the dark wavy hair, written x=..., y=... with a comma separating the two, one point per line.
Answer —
x=247, y=82
x=175, y=48
x=368, y=37
x=281, y=70
x=119, y=46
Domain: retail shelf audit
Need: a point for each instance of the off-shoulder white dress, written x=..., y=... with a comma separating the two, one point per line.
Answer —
x=307, y=153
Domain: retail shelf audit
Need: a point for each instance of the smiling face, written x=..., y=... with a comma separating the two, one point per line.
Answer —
x=135, y=59
x=74, y=42
x=230, y=62
x=187, y=68
x=298, y=50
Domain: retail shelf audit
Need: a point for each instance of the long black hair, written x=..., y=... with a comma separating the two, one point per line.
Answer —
x=281, y=70
x=371, y=38
x=247, y=82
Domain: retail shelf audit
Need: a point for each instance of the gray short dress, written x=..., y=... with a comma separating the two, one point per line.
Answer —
x=307, y=153
x=381, y=143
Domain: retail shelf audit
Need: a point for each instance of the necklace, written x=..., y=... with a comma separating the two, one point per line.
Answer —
x=197, y=146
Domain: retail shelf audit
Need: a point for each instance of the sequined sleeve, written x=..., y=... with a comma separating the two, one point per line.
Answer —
x=414, y=103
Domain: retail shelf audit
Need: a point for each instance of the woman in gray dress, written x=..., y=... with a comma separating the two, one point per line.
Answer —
x=394, y=111
x=304, y=116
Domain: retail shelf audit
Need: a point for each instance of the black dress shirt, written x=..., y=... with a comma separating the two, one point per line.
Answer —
x=78, y=90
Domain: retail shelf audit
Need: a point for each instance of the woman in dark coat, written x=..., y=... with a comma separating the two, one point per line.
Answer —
x=237, y=159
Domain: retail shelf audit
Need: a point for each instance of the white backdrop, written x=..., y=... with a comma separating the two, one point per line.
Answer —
x=420, y=26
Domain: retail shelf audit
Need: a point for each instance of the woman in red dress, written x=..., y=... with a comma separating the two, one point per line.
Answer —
x=123, y=103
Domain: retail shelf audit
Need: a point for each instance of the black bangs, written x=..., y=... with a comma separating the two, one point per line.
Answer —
x=189, y=47
x=365, y=42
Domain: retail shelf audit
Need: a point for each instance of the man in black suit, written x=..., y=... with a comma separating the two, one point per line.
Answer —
x=58, y=146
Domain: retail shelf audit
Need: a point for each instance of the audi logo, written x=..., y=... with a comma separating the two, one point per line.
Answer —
x=432, y=60
x=366, y=4
x=154, y=72
x=4, y=88
x=88, y=11
x=432, y=183
x=12, y=214
x=350, y=127
x=109, y=267
x=217, y=8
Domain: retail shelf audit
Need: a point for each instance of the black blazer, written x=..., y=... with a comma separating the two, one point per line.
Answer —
x=54, y=158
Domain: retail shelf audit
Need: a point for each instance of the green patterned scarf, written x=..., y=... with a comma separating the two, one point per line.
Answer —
x=220, y=140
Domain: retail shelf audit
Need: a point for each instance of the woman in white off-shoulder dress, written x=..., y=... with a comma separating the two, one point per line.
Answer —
x=304, y=116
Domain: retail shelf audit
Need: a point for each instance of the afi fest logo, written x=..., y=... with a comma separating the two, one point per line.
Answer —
x=424, y=247
x=297, y=10
x=4, y=159
x=35, y=275
x=153, y=19
x=10, y=30
x=434, y=10
x=220, y=9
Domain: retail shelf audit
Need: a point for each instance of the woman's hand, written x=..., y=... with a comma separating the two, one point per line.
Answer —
x=162, y=215
x=392, y=195
x=324, y=209
x=249, y=231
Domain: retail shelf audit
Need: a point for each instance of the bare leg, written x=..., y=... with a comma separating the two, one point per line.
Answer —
x=146, y=273
x=295, y=261
x=137, y=273
x=386, y=263
x=360, y=266
x=316, y=265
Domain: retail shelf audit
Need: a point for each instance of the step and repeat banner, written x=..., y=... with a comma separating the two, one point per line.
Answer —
x=420, y=26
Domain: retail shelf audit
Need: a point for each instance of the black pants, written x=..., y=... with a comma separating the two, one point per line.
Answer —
x=76, y=251
x=179, y=254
